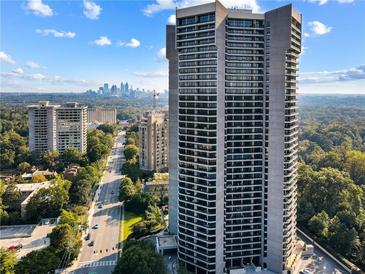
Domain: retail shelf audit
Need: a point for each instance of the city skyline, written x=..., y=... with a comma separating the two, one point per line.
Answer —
x=78, y=45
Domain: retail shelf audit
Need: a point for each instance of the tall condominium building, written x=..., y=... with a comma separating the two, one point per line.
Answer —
x=153, y=141
x=71, y=121
x=233, y=137
x=102, y=115
x=42, y=126
x=55, y=127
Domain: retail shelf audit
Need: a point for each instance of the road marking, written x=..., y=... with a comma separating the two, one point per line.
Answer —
x=97, y=264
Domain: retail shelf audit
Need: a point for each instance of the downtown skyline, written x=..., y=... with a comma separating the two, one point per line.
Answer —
x=72, y=46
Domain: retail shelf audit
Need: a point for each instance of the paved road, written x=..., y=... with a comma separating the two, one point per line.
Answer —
x=102, y=256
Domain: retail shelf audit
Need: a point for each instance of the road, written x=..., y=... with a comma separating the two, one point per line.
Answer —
x=102, y=256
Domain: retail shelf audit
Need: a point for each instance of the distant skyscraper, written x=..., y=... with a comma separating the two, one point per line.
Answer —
x=106, y=88
x=114, y=90
x=126, y=89
x=121, y=88
x=233, y=137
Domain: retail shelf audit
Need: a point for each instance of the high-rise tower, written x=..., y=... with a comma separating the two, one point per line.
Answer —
x=233, y=137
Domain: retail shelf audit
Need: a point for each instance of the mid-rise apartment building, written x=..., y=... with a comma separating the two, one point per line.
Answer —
x=153, y=141
x=233, y=137
x=102, y=115
x=71, y=131
x=55, y=127
x=42, y=126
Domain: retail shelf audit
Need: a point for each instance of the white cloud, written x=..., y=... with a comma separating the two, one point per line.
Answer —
x=151, y=74
x=31, y=64
x=172, y=19
x=162, y=5
x=103, y=41
x=357, y=73
x=18, y=71
x=161, y=54
x=39, y=8
x=306, y=34
x=320, y=2
x=91, y=10
x=56, y=33
x=6, y=58
x=318, y=28
x=134, y=43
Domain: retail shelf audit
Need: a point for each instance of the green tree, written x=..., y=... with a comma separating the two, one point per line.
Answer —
x=127, y=189
x=343, y=239
x=80, y=192
x=38, y=178
x=355, y=165
x=7, y=261
x=131, y=152
x=65, y=238
x=41, y=261
x=319, y=224
x=24, y=167
x=140, y=257
x=106, y=128
x=132, y=170
x=48, y=202
x=70, y=218
x=50, y=159
x=72, y=155
x=11, y=195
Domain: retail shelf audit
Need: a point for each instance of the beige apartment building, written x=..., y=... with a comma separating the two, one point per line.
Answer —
x=102, y=115
x=55, y=127
x=153, y=141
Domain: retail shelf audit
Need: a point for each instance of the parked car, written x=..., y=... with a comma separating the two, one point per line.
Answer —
x=91, y=243
x=96, y=226
x=87, y=237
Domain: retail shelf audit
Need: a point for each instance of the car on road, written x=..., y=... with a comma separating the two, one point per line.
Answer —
x=91, y=243
x=112, y=192
x=96, y=226
x=87, y=237
x=100, y=206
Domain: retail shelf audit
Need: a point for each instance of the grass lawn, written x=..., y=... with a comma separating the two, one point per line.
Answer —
x=130, y=219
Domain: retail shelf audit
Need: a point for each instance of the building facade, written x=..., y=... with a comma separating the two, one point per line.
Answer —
x=102, y=115
x=153, y=141
x=42, y=126
x=71, y=131
x=233, y=137
x=55, y=127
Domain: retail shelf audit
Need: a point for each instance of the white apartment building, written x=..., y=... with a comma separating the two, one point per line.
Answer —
x=153, y=141
x=55, y=127
x=42, y=126
x=71, y=129
x=233, y=137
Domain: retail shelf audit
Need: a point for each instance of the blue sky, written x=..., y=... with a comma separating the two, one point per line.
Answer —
x=76, y=45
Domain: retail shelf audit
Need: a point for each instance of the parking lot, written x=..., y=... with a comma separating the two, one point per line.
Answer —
x=19, y=231
x=25, y=238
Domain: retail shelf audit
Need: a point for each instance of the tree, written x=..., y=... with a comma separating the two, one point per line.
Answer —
x=11, y=195
x=355, y=165
x=50, y=159
x=48, y=202
x=41, y=261
x=319, y=224
x=80, y=192
x=140, y=257
x=344, y=240
x=106, y=128
x=24, y=167
x=7, y=261
x=72, y=155
x=140, y=202
x=38, y=178
x=127, y=189
x=131, y=152
x=132, y=170
x=70, y=218
x=65, y=238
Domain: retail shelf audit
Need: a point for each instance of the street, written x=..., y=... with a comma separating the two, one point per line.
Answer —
x=99, y=253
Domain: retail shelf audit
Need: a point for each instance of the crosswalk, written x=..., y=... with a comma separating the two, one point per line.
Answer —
x=97, y=264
